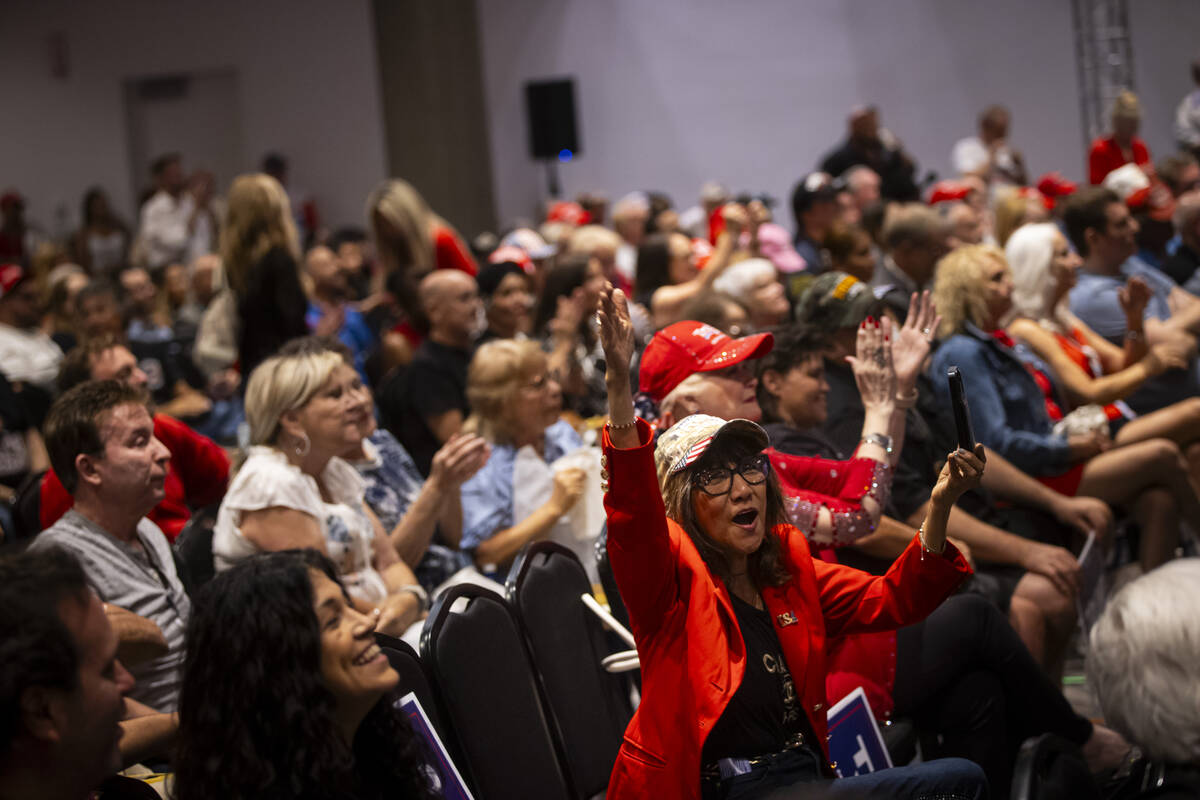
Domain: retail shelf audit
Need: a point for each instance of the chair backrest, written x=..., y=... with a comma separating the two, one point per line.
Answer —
x=194, y=554
x=488, y=691
x=1049, y=767
x=607, y=581
x=413, y=678
x=590, y=706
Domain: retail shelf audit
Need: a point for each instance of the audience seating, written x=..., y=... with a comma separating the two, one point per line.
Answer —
x=193, y=550
x=1050, y=768
x=488, y=690
x=590, y=705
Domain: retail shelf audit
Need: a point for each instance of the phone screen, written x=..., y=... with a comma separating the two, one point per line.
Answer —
x=962, y=413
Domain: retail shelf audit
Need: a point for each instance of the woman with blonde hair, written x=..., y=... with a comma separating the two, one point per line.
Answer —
x=264, y=304
x=515, y=407
x=294, y=491
x=1092, y=370
x=1016, y=207
x=1123, y=146
x=1016, y=405
x=411, y=241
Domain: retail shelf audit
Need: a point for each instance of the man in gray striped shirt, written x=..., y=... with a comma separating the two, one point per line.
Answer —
x=101, y=441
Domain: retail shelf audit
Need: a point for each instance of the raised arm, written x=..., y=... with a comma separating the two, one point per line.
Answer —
x=640, y=548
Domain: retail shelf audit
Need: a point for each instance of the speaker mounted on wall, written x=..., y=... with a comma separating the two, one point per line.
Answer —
x=550, y=106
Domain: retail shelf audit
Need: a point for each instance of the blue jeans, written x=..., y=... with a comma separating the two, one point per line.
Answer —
x=792, y=775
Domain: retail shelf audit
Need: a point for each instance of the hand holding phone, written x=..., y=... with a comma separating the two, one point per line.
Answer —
x=962, y=413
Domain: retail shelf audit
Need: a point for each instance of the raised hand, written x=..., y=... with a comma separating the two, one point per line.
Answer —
x=1134, y=296
x=873, y=369
x=458, y=459
x=912, y=342
x=616, y=334
x=962, y=472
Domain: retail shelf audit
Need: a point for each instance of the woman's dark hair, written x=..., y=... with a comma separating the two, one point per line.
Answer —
x=563, y=278
x=89, y=197
x=766, y=566
x=794, y=345
x=653, y=266
x=255, y=720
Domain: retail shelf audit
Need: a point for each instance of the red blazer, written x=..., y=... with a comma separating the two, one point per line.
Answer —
x=1105, y=156
x=691, y=648
x=197, y=475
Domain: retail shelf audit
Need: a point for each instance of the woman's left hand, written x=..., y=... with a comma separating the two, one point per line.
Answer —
x=962, y=472
x=874, y=372
x=911, y=344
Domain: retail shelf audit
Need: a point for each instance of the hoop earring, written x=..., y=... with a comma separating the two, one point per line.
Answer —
x=302, y=447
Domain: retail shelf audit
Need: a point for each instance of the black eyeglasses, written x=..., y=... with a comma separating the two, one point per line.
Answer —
x=717, y=481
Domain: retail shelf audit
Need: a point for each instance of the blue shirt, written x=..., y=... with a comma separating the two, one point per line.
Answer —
x=1094, y=300
x=392, y=479
x=1008, y=410
x=355, y=333
x=487, y=498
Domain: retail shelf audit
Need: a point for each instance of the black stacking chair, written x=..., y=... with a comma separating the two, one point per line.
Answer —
x=590, y=706
x=413, y=678
x=489, y=693
x=607, y=581
x=1051, y=768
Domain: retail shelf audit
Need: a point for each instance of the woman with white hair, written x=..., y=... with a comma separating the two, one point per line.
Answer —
x=1142, y=663
x=755, y=284
x=1183, y=264
x=294, y=491
x=1091, y=370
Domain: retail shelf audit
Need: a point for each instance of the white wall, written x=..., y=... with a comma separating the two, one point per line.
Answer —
x=307, y=84
x=671, y=93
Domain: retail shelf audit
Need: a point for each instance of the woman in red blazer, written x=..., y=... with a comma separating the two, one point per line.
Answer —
x=731, y=613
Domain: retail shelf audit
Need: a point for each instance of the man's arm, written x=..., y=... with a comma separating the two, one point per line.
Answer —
x=1085, y=514
x=146, y=733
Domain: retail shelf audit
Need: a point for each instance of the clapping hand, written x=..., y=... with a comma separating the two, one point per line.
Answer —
x=1134, y=296
x=872, y=365
x=913, y=341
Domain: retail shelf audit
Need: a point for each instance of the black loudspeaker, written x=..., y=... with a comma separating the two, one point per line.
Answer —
x=551, y=109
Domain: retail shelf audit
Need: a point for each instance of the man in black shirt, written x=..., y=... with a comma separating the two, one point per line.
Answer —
x=875, y=147
x=425, y=404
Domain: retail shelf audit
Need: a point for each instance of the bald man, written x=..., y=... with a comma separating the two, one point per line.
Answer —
x=426, y=403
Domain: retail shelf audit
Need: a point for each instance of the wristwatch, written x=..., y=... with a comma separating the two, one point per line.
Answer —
x=881, y=439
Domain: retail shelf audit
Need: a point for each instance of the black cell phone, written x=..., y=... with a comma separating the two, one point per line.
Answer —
x=962, y=413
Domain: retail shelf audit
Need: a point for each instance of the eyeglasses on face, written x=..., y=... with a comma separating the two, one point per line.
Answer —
x=716, y=481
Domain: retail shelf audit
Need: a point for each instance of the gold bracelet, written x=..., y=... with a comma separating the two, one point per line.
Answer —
x=623, y=426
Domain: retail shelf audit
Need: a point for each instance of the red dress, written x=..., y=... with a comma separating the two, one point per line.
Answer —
x=1106, y=155
x=691, y=649
x=197, y=475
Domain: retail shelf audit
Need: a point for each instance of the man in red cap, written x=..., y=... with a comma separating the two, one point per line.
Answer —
x=693, y=368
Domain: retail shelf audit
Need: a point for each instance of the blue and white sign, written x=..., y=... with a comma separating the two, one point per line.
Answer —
x=445, y=777
x=855, y=743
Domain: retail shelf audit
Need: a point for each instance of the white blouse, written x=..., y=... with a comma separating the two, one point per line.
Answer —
x=268, y=480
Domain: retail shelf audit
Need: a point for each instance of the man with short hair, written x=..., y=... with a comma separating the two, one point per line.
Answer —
x=875, y=147
x=1180, y=172
x=1104, y=234
x=988, y=154
x=62, y=688
x=198, y=472
x=27, y=354
x=329, y=311
x=101, y=441
x=965, y=224
x=1183, y=264
x=176, y=216
x=629, y=217
x=914, y=239
x=425, y=404
x=864, y=185
x=814, y=206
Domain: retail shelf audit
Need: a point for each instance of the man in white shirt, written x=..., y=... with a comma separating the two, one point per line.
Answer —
x=1187, y=116
x=988, y=154
x=27, y=354
x=174, y=220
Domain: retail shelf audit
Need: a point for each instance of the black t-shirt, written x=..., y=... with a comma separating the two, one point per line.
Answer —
x=14, y=422
x=1182, y=264
x=165, y=363
x=765, y=710
x=434, y=383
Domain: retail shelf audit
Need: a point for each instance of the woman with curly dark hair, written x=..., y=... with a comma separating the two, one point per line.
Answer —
x=285, y=693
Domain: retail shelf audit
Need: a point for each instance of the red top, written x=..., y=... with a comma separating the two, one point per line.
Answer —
x=449, y=252
x=1078, y=350
x=1106, y=155
x=197, y=475
x=691, y=649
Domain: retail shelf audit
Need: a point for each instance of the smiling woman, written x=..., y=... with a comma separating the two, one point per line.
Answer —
x=279, y=632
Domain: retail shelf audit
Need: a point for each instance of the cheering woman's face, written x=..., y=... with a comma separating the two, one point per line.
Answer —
x=729, y=497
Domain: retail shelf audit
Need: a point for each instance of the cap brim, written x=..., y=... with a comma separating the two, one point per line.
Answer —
x=755, y=345
x=743, y=428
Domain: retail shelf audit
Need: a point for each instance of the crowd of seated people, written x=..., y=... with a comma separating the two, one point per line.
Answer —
x=349, y=420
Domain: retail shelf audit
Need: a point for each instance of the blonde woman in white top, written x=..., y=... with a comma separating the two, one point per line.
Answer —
x=293, y=491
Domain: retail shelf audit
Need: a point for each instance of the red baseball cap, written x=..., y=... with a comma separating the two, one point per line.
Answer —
x=1053, y=185
x=569, y=212
x=513, y=254
x=948, y=191
x=11, y=276
x=681, y=350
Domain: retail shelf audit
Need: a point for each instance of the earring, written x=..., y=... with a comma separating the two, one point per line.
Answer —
x=303, y=445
